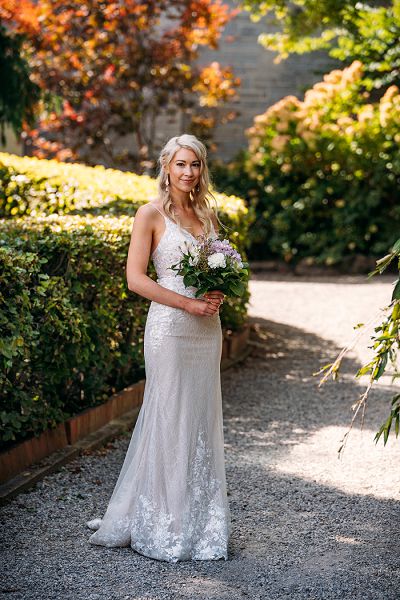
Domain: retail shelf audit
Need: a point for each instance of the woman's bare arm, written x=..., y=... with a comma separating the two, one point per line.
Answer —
x=137, y=263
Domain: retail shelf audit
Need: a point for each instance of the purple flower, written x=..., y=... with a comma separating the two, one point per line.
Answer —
x=225, y=248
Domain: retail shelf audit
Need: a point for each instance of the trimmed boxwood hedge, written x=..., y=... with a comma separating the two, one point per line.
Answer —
x=72, y=332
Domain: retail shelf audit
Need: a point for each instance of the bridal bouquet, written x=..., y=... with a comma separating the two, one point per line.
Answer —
x=212, y=264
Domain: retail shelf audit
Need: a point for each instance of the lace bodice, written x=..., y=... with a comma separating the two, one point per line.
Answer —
x=162, y=319
x=168, y=252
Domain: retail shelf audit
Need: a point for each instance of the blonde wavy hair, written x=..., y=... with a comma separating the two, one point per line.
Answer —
x=201, y=194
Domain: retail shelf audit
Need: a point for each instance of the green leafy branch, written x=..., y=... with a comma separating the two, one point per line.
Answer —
x=386, y=343
x=347, y=29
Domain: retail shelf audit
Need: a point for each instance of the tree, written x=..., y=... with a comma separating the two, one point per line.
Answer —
x=367, y=31
x=109, y=67
x=18, y=94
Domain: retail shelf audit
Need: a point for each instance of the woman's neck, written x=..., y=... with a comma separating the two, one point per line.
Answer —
x=180, y=200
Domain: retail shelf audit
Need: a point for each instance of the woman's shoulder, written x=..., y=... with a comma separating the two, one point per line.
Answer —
x=148, y=215
x=150, y=209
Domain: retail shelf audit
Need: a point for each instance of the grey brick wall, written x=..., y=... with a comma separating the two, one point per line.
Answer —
x=262, y=82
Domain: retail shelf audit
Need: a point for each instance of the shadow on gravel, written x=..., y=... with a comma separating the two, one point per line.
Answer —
x=300, y=540
x=307, y=525
x=286, y=358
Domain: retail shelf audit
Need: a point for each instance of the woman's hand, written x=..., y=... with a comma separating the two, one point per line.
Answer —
x=215, y=297
x=207, y=306
x=201, y=308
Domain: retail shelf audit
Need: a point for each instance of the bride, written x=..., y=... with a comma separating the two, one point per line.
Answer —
x=170, y=501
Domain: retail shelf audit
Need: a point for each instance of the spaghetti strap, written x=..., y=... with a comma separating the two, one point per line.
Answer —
x=161, y=213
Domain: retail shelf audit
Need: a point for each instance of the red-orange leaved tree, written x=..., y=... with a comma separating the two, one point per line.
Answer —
x=107, y=70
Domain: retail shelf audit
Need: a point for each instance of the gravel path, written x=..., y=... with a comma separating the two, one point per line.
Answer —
x=305, y=525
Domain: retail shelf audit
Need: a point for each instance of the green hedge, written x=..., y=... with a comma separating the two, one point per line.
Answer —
x=32, y=186
x=72, y=331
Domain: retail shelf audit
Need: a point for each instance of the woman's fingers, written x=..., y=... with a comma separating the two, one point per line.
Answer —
x=211, y=307
x=215, y=295
x=214, y=301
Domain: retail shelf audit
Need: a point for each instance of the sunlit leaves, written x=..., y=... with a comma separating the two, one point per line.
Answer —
x=394, y=417
x=348, y=29
x=114, y=67
x=21, y=16
x=386, y=346
x=326, y=166
x=216, y=85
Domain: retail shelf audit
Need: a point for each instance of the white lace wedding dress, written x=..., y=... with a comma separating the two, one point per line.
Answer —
x=170, y=501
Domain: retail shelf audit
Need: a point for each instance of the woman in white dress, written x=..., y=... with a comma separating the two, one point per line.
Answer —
x=170, y=501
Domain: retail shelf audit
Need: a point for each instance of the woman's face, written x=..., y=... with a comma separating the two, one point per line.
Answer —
x=184, y=170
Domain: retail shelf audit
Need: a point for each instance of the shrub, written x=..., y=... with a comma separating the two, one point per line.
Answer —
x=72, y=331
x=21, y=195
x=325, y=172
x=31, y=186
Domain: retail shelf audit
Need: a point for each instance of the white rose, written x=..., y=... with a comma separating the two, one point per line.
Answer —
x=187, y=247
x=216, y=260
x=194, y=258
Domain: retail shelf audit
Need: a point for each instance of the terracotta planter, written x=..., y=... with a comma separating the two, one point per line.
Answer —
x=88, y=421
x=92, y=419
x=225, y=348
x=238, y=341
x=128, y=399
x=31, y=451
x=25, y=454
